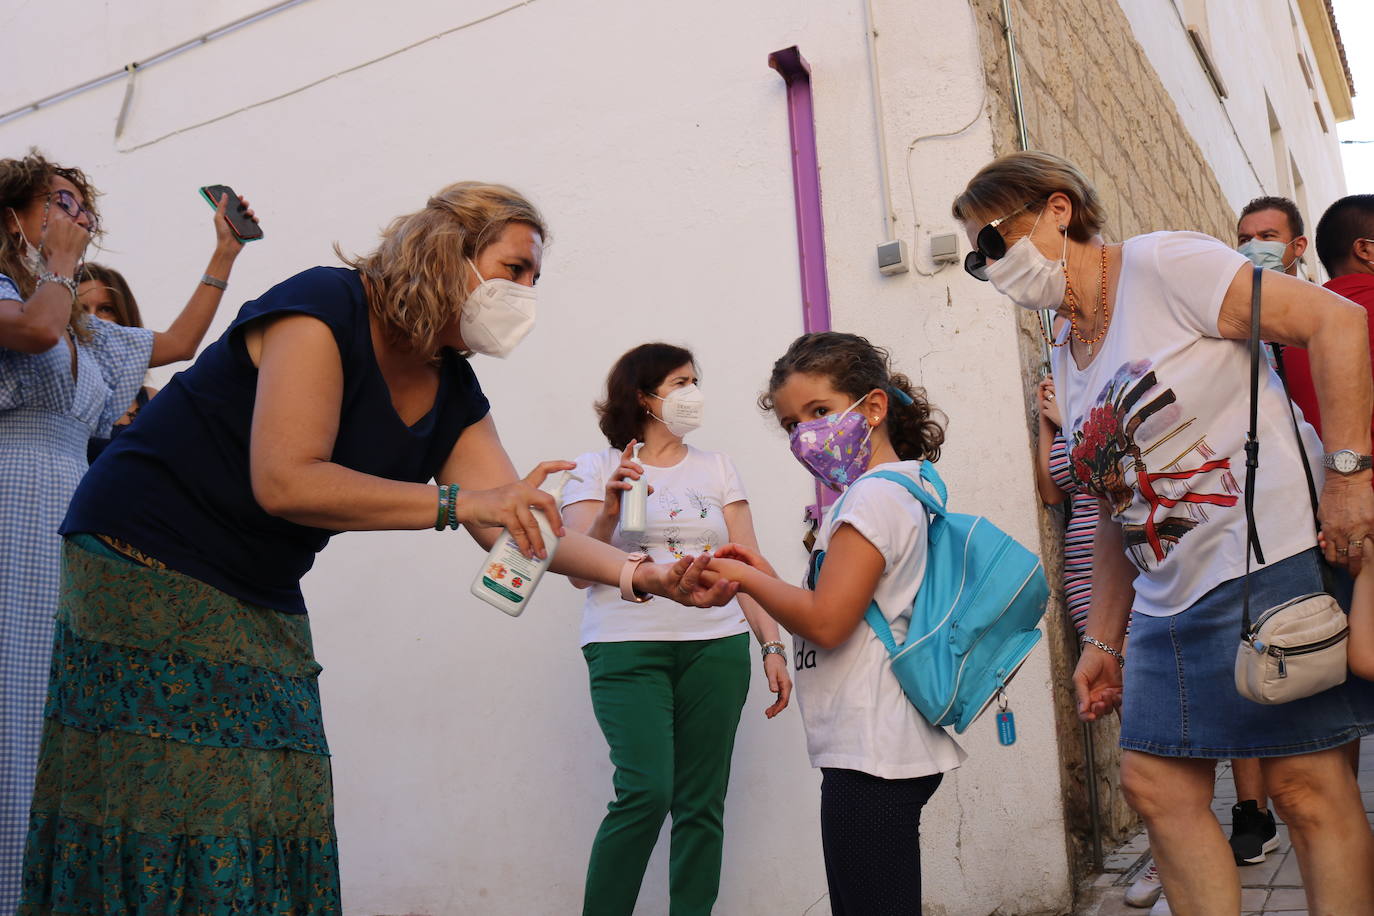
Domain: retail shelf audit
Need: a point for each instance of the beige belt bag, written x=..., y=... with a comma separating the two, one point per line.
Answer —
x=1294, y=650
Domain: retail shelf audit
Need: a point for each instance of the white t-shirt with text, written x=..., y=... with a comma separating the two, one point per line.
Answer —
x=685, y=518
x=855, y=712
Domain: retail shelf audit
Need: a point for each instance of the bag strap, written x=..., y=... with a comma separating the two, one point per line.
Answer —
x=1252, y=544
x=936, y=506
x=1297, y=433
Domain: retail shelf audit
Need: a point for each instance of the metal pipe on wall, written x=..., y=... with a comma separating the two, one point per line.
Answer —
x=1047, y=327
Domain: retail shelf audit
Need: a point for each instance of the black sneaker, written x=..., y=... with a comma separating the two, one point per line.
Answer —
x=1252, y=834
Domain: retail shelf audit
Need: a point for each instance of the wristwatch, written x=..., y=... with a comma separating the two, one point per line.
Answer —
x=627, y=577
x=1347, y=461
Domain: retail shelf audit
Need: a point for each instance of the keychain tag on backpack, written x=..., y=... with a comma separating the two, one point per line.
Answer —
x=1006, y=722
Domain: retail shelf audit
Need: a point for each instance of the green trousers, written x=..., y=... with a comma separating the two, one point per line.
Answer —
x=669, y=711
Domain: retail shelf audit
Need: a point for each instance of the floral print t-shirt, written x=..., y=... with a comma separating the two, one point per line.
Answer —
x=685, y=518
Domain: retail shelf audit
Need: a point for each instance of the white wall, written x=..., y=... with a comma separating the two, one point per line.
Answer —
x=1255, y=48
x=470, y=773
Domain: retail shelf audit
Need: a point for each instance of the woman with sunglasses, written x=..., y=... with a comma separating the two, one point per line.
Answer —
x=64, y=378
x=1151, y=376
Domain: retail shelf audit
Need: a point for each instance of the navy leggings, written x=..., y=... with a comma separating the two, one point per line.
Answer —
x=871, y=834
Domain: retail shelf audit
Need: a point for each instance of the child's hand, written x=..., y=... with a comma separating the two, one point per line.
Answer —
x=721, y=568
x=745, y=555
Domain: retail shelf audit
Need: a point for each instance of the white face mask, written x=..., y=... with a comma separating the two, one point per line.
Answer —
x=33, y=257
x=496, y=316
x=1027, y=277
x=682, y=410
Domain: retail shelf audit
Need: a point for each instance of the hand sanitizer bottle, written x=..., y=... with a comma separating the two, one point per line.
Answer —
x=634, y=504
x=508, y=577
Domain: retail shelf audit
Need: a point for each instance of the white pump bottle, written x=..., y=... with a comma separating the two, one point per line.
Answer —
x=508, y=578
x=634, y=504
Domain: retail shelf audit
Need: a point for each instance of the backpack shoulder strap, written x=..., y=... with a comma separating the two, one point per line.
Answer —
x=934, y=502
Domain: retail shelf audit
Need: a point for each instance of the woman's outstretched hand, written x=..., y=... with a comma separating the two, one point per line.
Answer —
x=512, y=507
x=688, y=581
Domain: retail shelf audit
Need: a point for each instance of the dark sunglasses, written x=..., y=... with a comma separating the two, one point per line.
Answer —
x=70, y=206
x=991, y=246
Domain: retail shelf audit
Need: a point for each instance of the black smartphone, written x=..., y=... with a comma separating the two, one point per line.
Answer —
x=247, y=230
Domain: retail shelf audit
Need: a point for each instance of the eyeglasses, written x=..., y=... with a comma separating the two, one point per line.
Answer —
x=73, y=208
x=991, y=246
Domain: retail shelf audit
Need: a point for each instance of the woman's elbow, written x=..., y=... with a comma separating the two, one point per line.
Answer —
x=273, y=493
x=1362, y=665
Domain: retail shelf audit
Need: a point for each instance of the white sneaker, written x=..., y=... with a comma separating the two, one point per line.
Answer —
x=1161, y=908
x=1146, y=889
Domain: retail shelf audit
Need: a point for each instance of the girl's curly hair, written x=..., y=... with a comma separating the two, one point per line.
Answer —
x=856, y=367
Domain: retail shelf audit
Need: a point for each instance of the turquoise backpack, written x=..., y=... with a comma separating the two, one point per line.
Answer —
x=974, y=618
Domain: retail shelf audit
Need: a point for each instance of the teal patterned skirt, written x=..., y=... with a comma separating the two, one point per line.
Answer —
x=184, y=769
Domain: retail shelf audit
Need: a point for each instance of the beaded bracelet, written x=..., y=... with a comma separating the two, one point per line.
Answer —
x=453, y=522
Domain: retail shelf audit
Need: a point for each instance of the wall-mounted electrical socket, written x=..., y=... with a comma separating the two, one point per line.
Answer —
x=893, y=258
x=944, y=249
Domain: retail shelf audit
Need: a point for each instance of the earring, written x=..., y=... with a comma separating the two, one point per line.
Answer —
x=1063, y=228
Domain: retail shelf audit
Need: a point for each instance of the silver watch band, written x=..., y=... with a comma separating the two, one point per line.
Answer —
x=1334, y=460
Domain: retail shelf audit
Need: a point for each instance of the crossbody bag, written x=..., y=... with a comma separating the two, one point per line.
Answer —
x=1297, y=648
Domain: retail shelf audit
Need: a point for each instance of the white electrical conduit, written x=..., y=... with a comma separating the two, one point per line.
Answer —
x=130, y=69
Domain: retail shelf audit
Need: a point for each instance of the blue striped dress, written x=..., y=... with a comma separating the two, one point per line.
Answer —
x=1078, y=537
x=46, y=418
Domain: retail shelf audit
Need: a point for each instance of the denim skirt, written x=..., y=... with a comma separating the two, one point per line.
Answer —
x=1179, y=693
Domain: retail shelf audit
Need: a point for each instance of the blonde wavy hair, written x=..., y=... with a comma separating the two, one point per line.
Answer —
x=22, y=181
x=417, y=277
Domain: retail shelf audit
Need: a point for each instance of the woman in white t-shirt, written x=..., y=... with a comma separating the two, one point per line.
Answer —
x=667, y=682
x=1152, y=378
x=847, y=414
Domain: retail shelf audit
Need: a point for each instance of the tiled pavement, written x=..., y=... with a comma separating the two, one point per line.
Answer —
x=1273, y=888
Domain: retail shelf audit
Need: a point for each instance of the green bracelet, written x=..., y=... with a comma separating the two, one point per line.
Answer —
x=453, y=522
x=443, y=519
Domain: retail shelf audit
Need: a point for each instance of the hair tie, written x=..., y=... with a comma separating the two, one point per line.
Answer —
x=900, y=395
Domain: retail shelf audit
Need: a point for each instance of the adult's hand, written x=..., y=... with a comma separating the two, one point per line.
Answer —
x=1045, y=400
x=512, y=507
x=779, y=682
x=688, y=581
x=628, y=470
x=1096, y=684
x=1346, y=512
x=226, y=242
x=64, y=241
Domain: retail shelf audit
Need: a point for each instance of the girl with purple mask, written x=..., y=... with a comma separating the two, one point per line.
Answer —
x=847, y=414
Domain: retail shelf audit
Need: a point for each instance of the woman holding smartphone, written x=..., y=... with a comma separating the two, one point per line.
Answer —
x=64, y=378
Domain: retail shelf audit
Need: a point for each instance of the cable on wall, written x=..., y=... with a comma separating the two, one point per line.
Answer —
x=324, y=79
x=161, y=56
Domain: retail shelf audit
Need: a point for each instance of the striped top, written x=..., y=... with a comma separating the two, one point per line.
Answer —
x=1078, y=537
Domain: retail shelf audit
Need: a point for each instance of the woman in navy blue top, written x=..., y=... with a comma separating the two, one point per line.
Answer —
x=184, y=767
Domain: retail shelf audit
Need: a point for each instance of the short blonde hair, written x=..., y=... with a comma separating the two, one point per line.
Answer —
x=417, y=278
x=1027, y=178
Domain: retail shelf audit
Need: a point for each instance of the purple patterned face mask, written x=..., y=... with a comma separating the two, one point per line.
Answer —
x=834, y=448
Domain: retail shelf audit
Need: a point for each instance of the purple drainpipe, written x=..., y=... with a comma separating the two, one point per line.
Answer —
x=806, y=187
